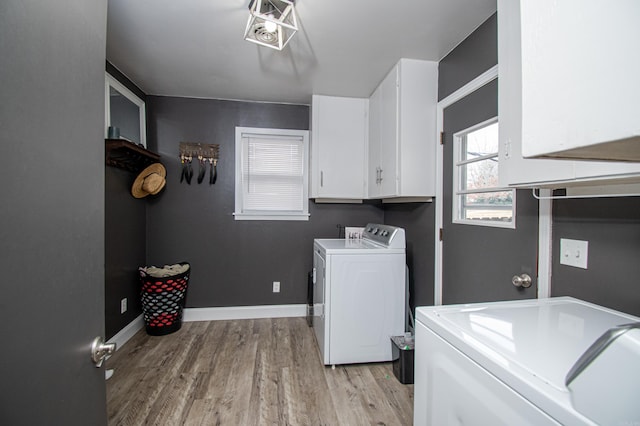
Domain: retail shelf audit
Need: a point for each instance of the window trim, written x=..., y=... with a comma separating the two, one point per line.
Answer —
x=239, y=214
x=456, y=192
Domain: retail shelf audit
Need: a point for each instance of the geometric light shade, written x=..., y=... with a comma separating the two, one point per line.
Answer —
x=271, y=23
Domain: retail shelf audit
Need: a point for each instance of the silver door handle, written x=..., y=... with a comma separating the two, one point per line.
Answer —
x=321, y=178
x=100, y=350
x=523, y=281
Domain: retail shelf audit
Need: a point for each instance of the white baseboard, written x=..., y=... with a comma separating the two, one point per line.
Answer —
x=244, y=312
x=213, y=314
x=127, y=332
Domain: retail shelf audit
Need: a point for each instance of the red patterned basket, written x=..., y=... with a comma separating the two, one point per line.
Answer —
x=163, y=301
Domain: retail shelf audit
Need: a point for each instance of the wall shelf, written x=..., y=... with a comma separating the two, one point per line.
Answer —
x=128, y=156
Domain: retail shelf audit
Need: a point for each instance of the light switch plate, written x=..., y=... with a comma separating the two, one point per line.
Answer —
x=574, y=253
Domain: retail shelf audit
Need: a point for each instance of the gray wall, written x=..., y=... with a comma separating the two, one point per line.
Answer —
x=233, y=262
x=125, y=249
x=125, y=238
x=52, y=215
x=418, y=221
x=612, y=227
x=473, y=56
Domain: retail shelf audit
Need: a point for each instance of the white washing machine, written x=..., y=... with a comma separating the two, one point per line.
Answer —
x=535, y=362
x=359, y=295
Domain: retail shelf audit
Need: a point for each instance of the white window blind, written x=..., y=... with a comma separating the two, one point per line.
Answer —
x=271, y=174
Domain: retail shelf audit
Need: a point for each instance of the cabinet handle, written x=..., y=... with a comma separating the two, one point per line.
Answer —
x=380, y=175
x=321, y=178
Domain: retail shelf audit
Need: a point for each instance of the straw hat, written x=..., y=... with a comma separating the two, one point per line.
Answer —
x=150, y=181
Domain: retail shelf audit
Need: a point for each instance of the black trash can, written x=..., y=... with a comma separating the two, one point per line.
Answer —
x=403, y=357
x=163, y=301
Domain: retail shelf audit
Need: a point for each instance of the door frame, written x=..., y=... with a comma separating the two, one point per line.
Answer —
x=544, y=219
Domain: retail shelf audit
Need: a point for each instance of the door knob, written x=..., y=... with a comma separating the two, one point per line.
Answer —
x=523, y=281
x=100, y=350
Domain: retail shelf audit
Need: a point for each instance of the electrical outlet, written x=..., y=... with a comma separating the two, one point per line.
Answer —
x=123, y=305
x=574, y=253
x=276, y=286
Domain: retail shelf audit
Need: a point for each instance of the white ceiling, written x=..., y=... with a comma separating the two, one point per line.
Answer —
x=195, y=48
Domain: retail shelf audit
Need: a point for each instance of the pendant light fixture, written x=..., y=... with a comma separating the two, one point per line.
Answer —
x=271, y=23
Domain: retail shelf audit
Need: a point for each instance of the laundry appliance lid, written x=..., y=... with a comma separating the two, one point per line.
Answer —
x=353, y=246
x=531, y=345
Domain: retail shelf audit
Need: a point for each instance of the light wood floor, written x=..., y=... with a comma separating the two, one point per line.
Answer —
x=248, y=372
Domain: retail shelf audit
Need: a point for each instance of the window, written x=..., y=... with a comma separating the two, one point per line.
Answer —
x=478, y=199
x=271, y=174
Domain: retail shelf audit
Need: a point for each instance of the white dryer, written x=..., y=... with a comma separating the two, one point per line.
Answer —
x=556, y=361
x=359, y=295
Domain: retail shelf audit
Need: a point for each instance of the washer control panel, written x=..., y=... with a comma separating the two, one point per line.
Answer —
x=387, y=235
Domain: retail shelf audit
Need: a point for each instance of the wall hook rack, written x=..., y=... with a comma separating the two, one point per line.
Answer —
x=202, y=152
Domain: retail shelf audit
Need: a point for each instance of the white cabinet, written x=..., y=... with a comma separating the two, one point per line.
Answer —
x=538, y=104
x=383, y=165
x=402, y=132
x=580, y=78
x=339, y=130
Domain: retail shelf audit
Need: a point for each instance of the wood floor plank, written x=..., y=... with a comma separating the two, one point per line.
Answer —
x=399, y=396
x=308, y=376
x=173, y=404
x=232, y=400
x=247, y=372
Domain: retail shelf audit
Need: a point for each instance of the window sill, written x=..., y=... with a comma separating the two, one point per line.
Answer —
x=487, y=223
x=245, y=216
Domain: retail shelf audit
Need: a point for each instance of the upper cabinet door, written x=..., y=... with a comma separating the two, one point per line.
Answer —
x=535, y=111
x=375, y=137
x=417, y=133
x=402, y=132
x=514, y=169
x=338, y=147
x=383, y=138
x=580, y=84
x=388, y=163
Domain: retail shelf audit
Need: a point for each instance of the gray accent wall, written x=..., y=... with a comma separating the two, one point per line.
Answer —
x=125, y=249
x=233, y=262
x=418, y=221
x=125, y=237
x=473, y=56
x=612, y=228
